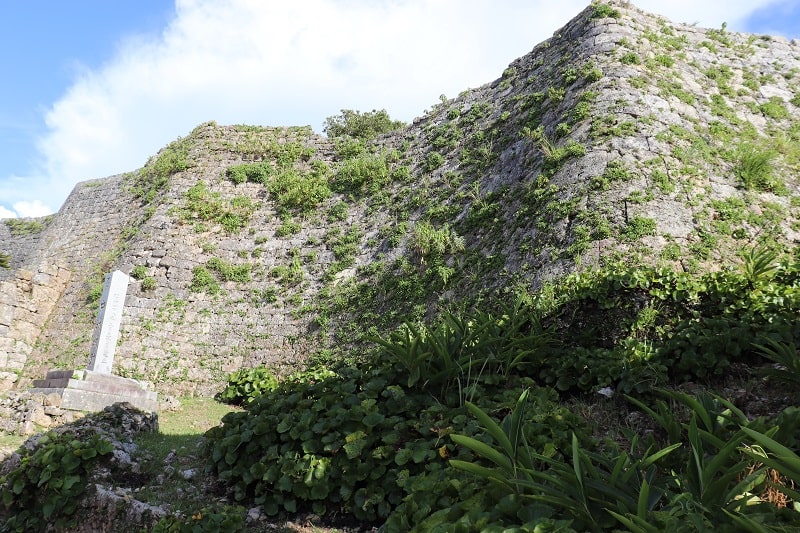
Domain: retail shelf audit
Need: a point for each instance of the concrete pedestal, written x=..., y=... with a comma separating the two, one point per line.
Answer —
x=84, y=390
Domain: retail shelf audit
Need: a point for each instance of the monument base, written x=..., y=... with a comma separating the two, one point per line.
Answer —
x=84, y=390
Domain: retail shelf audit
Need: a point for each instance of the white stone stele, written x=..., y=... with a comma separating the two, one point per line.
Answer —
x=109, y=318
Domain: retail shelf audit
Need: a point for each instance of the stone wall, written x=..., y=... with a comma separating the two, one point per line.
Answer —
x=184, y=342
x=654, y=102
x=26, y=301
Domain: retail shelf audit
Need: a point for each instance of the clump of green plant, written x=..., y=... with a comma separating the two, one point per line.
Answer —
x=287, y=227
x=229, y=272
x=774, y=108
x=345, y=247
x=292, y=189
x=201, y=204
x=638, y=227
x=27, y=226
x=139, y=272
x=303, y=192
x=362, y=175
x=247, y=384
x=364, y=126
x=203, y=281
x=5, y=260
x=614, y=171
x=711, y=473
x=555, y=156
x=353, y=443
x=753, y=166
x=601, y=11
x=45, y=488
x=148, y=283
x=432, y=242
x=252, y=172
x=433, y=161
x=292, y=274
x=154, y=177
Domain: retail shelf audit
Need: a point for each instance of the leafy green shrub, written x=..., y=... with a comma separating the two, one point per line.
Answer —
x=5, y=260
x=229, y=272
x=433, y=161
x=705, y=323
x=364, y=126
x=247, y=384
x=45, y=488
x=291, y=188
x=614, y=171
x=361, y=175
x=300, y=192
x=252, y=172
x=338, y=212
x=601, y=11
x=352, y=443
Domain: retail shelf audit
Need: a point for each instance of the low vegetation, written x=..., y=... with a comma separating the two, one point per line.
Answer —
x=498, y=449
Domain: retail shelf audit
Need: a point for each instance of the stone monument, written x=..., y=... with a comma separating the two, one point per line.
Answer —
x=96, y=387
x=109, y=319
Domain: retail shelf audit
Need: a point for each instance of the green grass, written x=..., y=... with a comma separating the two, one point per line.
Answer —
x=195, y=416
x=10, y=441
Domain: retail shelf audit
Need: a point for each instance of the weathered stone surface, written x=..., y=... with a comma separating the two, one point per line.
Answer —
x=185, y=341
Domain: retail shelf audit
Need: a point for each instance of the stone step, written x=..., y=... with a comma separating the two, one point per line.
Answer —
x=62, y=378
x=59, y=374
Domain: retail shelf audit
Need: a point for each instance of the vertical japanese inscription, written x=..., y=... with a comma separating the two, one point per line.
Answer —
x=109, y=319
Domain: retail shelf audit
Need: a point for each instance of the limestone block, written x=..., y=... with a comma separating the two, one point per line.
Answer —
x=24, y=332
x=38, y=417
x=8, y=293
x=6, y=314
x=42, y=279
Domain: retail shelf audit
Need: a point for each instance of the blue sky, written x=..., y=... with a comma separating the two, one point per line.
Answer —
x=93, y=88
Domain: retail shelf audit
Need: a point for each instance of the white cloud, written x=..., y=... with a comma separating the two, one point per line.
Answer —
x=7, y=213
x=32, y=209
x=294, y=63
